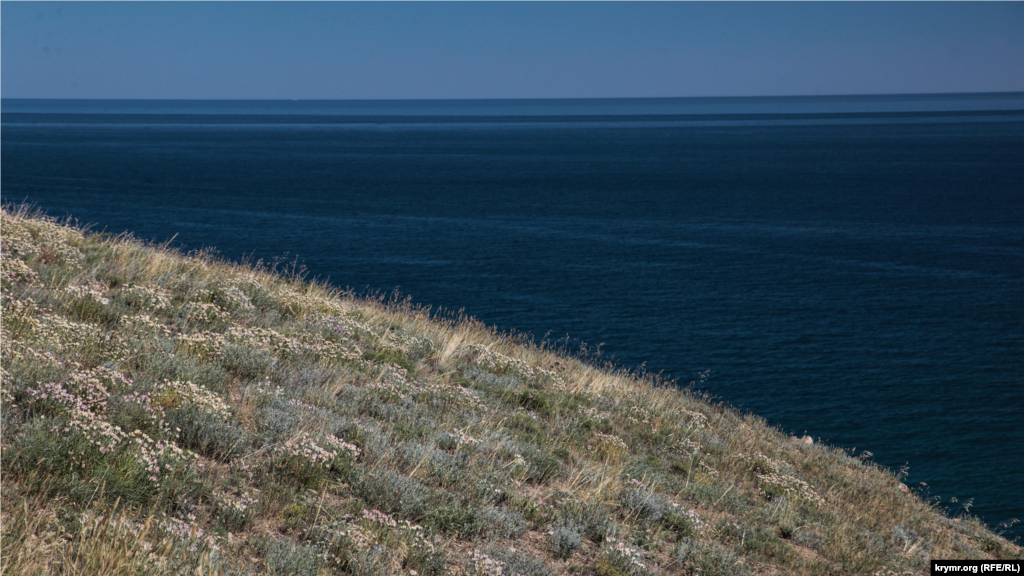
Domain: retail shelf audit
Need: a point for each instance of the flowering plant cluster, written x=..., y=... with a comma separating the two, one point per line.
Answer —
x=235, y=508
x=501, y=364
x=81, y=390
x=686, y=446
x=92, y=386
x=62, y=334
x=145, y=326
x=14, y=271
x=307, y=345
x=310, y=345
x=93, y=290
x=156, y=456
x=445, y=394
x=66, y=337
x=340, y=446
x=388, y=340
x=625, y=558
x=102, y=437
x=53, y=398
x=638, y=415
x=225, y=295
x=234, y=299
x=150, y=298
x=611, y=440
x=154, y=414
x=772, y=484
x=460, y=438
x=42, y=238
x=343, y=327
x=301, y=405
x=304, y=449
x=6, y=397
x=174, y=394
x=763, y=464
x=207, y=345
x=19, y=316
x=609, y=447
x=392, y=379
x=206, y=313
x=695, y=419
x=189, y=532
x=377, y=517
x=375, y=540
x=481, y=564
x=690, y=515
x=392, y=382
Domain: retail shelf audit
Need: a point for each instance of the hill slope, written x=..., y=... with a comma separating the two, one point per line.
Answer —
x=167, y=413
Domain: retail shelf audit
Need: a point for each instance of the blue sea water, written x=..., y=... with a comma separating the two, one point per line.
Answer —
x=847, y=267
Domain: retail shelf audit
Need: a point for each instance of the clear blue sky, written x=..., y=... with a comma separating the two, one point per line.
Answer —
x=327, y=50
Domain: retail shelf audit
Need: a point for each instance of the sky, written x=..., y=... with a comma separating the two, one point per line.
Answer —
x=393, y=50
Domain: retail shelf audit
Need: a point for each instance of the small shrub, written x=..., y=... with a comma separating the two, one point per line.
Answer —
x=564, y=538
x=279, y=420
x=686, y=466
x=375, y=544
x=540, y=402
x=235, y=511
x=517, y=563
x=406, y=431
x=600, y=425
x=135, y=412
x=415, y=454
x=640, y=501
x=392, y=492
x=449, y=470
x=12, y=417
x=685, y=523
x=708, y=559
x=95, y=311
x=309, y=461
x=351, y=432
x=909, y=541
x=484, y=380
x=809, y=538
x=619, y=559
x=81, y=452
x=295, y=516
x=247, y=362
x=461, y=521
x=208, y=435
x=541, y=465
x=709, y=495
x=285, y=558
x=611, y=449
x=596, y=521
x=524, y=423
x=502, y=522
x=385, y=357
x=162, y=364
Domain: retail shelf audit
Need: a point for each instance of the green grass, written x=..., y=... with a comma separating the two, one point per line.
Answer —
x=173, y=413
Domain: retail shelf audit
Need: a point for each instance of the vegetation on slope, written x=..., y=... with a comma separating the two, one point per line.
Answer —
x=167, y=414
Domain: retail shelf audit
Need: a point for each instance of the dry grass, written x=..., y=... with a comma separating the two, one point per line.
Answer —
x=273, y=425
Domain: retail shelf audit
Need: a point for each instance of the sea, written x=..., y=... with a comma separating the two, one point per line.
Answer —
x=847, y=267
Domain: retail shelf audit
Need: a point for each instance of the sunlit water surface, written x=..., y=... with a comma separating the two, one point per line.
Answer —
x=852, y=268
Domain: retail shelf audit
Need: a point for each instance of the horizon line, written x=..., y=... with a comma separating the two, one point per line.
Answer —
x=859, y=95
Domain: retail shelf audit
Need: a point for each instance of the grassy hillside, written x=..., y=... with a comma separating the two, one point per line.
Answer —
x=175, y=414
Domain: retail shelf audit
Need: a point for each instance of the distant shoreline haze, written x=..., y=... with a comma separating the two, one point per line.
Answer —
x=847, y=267
x=702, y=106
